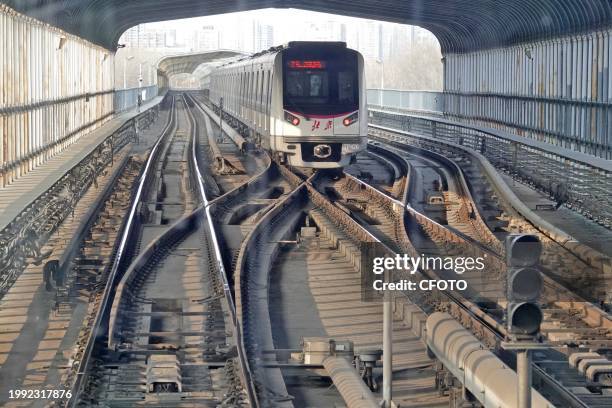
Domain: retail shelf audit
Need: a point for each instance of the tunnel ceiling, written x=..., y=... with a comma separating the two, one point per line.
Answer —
x=460, y=25
x=187, y=63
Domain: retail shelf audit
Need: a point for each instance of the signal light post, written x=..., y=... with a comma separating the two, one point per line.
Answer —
x=524, y=316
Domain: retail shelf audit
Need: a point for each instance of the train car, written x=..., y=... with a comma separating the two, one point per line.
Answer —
x=305, y=102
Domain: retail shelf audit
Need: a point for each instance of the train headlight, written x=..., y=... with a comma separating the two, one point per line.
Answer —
x=349, y=148
x=294, y=120
x=349, y=120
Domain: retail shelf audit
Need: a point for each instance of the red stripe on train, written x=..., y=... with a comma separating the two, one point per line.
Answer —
x=320, y=116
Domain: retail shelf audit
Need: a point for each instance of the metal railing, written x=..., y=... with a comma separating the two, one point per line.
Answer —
x=573, y=124
x=579, y=180
x=411, y=101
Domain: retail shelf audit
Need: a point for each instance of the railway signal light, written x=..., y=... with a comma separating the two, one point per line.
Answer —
x=524, y=284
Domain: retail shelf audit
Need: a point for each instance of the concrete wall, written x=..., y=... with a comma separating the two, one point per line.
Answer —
x=54, y=87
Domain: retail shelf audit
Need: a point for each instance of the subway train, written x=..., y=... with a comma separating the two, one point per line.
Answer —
x=305, y=102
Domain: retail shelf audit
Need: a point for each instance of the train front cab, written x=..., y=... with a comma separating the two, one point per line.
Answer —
x=320, y=109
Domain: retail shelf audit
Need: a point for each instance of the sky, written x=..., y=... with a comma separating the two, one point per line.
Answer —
x=283, y=20
x=293, y=24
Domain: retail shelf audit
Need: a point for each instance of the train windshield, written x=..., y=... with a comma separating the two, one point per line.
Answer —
x=320, y=83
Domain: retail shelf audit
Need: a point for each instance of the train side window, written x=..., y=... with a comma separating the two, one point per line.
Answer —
x=248, y=91
x=264, y=98
x=261, y=89
x=255, y=88
x=240, y=94
x=261, y=93
x=250, y=94
x=259, y=80
x=243, y=92
x=250, y=102
x=252, y=97
x=270, y=88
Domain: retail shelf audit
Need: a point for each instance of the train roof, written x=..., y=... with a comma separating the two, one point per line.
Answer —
x=325, y=44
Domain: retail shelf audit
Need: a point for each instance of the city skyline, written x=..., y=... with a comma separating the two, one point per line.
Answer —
x=396, y=56
x=261, y=29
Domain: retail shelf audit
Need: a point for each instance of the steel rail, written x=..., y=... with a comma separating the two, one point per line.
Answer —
x=593, y=313
x=599, y=315
x=576, y=178
x=464, y=303
x=118, y=258
x=485, y=321
x=245, y=369
x=300, y=190
x=571, y=155
x=231, y=133
x=549, y=230
x=492, y=240
x=418, y=214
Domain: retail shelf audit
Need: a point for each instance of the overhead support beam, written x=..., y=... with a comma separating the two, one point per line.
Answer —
x=172, y=65
x=459, y=25
x=187, y=63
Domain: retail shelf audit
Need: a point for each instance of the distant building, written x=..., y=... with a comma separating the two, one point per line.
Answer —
x=263, y=36
x=324, y=30
x=352, y=37
x=208, y=38
x=143, y=36
x=370, y=40
x=130, y=37
x=171, y=38
x=375, y=40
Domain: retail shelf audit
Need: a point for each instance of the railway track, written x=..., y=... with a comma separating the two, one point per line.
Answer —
x=580, y=268
x=66, y=291
x=298, y=277
x=234, y=260
x=252, y=272
x=569, y=320
x=172, y=338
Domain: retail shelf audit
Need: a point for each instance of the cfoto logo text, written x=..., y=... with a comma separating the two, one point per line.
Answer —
x=425, y=285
